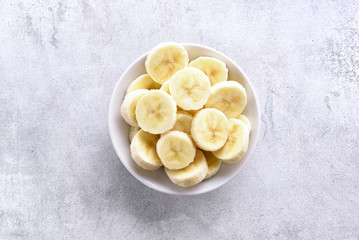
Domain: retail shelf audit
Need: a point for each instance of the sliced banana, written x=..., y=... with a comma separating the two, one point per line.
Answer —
x=156, y=112
x=143, y=82
x=143, y=150
x=210, y=129
x=165, y=60
x=229, y=97
x=213, y=164
x=175, y=149
x=166, y=87
x=237, y=143
x=183, y=122
x=191, y=175
x=246, y=121
x=190, y=88
x=133, y=131
x=128, y=107
x=214, y=68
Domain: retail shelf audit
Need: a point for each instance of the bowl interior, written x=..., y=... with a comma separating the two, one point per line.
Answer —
x=158, y=179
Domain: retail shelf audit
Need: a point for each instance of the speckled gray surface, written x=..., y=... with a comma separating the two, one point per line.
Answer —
x=61, y=179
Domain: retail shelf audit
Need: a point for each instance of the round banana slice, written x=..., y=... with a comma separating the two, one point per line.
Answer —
x=229, y=97
x=166, y=87
x=214, y=68
x=246, y=121
x=156, y=112
x=183, y=122
x=213, y=164
x=128, y=107
x=143, y=82
x=210, y=129
x=191, y=175
x=175, y=149
x=165, y=60
x=143, y=150
x=237, y=143
x=133, y=131
x=190, y=88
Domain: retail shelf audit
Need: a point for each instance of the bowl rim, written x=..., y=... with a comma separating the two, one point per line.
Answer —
x=154, y=186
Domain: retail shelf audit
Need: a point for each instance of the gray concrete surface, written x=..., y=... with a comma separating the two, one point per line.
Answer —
x=61, y=179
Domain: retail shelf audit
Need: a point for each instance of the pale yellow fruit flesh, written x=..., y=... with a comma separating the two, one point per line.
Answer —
x=191, y=175
x=210, y=129
x=229, y=97
x=132, y=133
x=190, y=88
x=128, y=107
x=143, y=82
x=213, y=164
x=214, y=68
x=237, y=143
x=143, y=150
x=246, y=121
x=156, y=112
x=175, y=149
x=166, y=87
x=183, y=122
x=165, y=60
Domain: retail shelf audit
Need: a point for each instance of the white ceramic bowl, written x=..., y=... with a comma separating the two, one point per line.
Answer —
x=158, y=179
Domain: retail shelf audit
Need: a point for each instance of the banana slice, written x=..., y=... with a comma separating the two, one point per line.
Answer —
x=166, y=87
x=237, y=143
x=176, y=149
x=165, y=60
x=246, y=121
x=183, y=122
x=128, y=107
x=143, y=82
x=210, y=129
x=229, y=97
x=190, y=88
x=143, y=150
x=191, y=175
x=214, y=68
x=133, y=131
x=213, y=164
x=156, y=112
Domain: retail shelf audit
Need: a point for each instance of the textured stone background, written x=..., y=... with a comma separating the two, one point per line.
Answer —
x=61, y=179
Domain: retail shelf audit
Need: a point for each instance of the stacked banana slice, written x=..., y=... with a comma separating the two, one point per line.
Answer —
x=185, y=116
